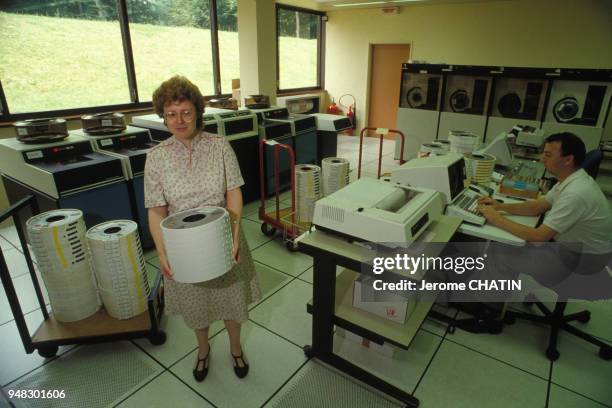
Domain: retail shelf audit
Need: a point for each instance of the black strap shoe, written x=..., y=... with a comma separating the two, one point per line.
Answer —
x=241, y=372
x=200, y=373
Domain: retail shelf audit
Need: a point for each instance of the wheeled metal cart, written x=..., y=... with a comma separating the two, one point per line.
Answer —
x=381, y=132
x=100, y=327
x=282, y=219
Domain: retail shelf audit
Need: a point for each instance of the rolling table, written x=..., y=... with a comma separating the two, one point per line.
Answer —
x=331, y=303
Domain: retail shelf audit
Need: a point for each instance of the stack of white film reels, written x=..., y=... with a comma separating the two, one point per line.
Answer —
x=67, y=257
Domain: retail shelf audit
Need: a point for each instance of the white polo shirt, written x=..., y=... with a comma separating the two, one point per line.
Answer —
x=580, y=213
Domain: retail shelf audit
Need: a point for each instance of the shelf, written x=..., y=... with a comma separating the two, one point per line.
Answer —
x=374, y=326
x=98, y=324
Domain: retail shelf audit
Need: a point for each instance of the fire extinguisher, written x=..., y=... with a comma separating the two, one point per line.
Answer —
x=351, y=111
x=333, y=109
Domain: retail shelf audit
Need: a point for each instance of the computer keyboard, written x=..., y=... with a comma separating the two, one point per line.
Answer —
x=464, y=207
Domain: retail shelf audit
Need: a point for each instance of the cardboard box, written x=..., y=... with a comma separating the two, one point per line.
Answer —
x=388, y=305
x=385, y=349
x=236, y=91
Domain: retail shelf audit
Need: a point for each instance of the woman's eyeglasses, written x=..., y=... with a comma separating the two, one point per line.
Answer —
x=173, y=116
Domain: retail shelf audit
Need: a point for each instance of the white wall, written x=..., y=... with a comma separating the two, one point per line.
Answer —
x=531, y=33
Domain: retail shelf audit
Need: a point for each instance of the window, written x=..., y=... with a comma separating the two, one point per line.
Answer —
x=59, y=55
x=299, y=34
x=168, y=39
x=68, y=57
x=227, y=30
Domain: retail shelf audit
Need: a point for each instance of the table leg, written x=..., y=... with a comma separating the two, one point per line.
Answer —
x=323, y=309
x=323, y=304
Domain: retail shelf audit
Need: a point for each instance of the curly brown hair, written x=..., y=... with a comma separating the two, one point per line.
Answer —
x=178, y=89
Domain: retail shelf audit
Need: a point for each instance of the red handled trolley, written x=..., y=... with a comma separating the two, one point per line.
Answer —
x=381, y=132
x=282, y=219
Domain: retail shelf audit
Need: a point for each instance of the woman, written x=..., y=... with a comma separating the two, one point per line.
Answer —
x=190, y=170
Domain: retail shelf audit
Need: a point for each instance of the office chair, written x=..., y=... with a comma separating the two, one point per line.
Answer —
x=592, y=161
x=556, y=318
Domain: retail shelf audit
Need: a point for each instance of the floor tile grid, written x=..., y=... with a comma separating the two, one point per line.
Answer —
x=24, y=315
x=292, y=278
x=288, y=283
x=47, y=361
x=169, y=366
x=499, y=360
x=301, y=347
x=361, y=384
x=4, y=399
x=301, y=367
x=558, y=365
x=167, y=369
x=551, y=383
x=536, y=311
x=135, y=390
x=433, y=356
x=303, y=280
x=144, y=384
x=342, y=374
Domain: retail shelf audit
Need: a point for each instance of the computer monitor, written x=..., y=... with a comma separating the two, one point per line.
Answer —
x=500, y=148
x=445, y=174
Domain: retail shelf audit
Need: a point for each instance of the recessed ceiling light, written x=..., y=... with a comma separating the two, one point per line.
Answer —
x=369, y=3
x=359, y=4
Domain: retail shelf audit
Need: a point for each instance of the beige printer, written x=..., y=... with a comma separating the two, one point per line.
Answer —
x=378, y=211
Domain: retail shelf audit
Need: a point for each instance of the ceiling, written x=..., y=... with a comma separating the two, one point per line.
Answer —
x=330, y=5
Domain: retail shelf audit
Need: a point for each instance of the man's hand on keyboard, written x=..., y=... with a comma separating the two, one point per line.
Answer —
x=488, y=201
x=489, y=212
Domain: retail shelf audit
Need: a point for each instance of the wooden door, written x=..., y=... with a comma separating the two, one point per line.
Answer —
x=385, y=81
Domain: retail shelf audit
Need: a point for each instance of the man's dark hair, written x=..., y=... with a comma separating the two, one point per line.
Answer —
x=570, y=144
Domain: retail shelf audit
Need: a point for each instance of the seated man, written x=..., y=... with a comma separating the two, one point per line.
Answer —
x=576, y=209
x=577, y=218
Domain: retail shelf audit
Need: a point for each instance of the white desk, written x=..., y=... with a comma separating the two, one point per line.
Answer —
x=493, y=233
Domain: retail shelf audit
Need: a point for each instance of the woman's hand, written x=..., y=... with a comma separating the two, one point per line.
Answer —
x=482, y=201
x=164, y=266
x=234, y=207
x=236, y=249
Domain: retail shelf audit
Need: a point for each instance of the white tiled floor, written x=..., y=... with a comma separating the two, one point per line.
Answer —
x=442, y=369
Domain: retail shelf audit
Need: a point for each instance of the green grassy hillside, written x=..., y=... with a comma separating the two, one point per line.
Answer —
x=51, y=63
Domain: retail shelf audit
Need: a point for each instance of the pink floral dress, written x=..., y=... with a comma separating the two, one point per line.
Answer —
x=182, y=179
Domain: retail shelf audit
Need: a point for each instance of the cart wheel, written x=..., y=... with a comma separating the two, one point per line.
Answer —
x=48, y=351
x=605, y=352
x=584, y=317
x=158, y=338
x=308, y=351
x=291, y=246
x=266, y=230
x=552, y=354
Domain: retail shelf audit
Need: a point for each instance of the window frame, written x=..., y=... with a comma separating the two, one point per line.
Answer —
x=320, y=51
x=6, y=117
